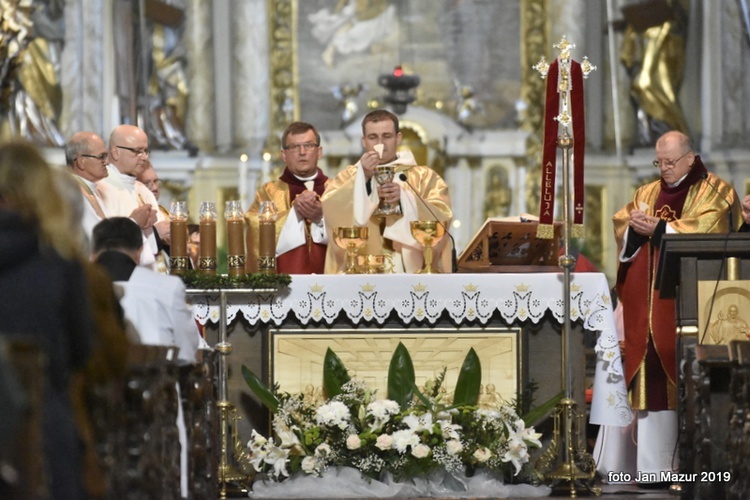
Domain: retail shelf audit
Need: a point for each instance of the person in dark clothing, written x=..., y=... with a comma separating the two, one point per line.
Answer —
x=43, y=299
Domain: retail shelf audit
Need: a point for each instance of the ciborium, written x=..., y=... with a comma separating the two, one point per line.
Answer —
x=383, y=175
x=350, y=239
x=428, y=233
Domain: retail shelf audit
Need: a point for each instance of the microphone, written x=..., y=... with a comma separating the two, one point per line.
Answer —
x=704, y=176
x=454, y=260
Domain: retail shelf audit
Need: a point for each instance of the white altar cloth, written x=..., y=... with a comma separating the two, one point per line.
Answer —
x=464, y=297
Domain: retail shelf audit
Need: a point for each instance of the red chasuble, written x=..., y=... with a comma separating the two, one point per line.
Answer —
x=309, y=258
x=649, y=320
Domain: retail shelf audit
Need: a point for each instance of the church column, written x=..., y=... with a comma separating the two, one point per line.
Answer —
x=569, y=19
x=200, y=124
x=250, y=82
x=86, y=68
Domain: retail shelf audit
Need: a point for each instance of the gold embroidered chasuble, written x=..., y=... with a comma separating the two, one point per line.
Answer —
x=650, y=325
x=339, y=210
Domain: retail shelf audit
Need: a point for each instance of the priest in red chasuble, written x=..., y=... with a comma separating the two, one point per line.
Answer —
x=300, y=229
x=687, y=199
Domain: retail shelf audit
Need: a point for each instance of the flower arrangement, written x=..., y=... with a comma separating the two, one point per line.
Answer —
x=408, y=435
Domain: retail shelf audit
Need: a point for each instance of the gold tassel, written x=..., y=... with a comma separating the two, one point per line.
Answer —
x=577, y=231
x=545, y=231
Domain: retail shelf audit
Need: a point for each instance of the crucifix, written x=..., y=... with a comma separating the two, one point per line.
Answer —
x=566, y=460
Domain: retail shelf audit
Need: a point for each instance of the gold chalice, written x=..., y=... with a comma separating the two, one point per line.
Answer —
x=375, y=263
x=383, y=175
x=428, y=233
x=350, y=239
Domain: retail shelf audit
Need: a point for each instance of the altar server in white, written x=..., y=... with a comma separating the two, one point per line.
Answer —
x=154, y=303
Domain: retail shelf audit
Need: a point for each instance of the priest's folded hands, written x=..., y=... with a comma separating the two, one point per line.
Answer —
x=643, y=224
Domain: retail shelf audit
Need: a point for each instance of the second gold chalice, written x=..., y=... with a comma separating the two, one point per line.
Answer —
x=350, y=239
x=428, y=233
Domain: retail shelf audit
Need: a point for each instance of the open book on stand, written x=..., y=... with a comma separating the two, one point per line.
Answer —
x=510, y=245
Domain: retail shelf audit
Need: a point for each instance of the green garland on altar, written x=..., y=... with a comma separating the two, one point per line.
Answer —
x=199, y=281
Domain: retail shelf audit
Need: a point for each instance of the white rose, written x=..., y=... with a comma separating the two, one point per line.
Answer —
x=308, y=465
x=384, y=442
x=420, y=451
x=454, y=447
x=322, y=450
x=353, y=442
x=482, y=454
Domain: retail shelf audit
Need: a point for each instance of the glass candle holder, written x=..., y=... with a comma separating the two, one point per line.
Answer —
x=235, y=238
x=207, y=229
x=267, y=237
x=178, y=258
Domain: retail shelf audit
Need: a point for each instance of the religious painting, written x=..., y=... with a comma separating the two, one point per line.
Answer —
x=466, y=53
x=723, y=311
x=297, y=358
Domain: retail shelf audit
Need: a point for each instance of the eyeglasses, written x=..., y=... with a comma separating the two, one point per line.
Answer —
x=137, y=152
x=669, y=163
x=101, y=157
x=298, y=147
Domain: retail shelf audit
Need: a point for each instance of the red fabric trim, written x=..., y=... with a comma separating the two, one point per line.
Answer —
x=579, y=140
x=549, y=154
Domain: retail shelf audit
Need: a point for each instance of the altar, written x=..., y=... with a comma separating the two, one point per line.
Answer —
x=512, y=319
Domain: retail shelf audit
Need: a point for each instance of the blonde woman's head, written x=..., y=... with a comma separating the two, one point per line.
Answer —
x=28, y=186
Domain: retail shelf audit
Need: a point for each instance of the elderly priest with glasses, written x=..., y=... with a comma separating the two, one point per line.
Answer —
x=686, y=199
x=122, y=193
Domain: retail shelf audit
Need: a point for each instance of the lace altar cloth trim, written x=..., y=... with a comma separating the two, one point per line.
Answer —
x=316, y=299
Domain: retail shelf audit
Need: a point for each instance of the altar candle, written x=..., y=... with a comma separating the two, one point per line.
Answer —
x=267, y=238
x=207, y=252
x=178, y=216
x=178, y=233
x=235, y=238
x=265, y=172
x=267, y=246
x=242, y=182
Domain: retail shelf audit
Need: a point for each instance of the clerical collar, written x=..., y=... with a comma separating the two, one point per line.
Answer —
x=303, y=179
x=679, y=181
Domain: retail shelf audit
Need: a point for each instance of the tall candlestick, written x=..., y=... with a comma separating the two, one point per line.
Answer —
x=178, y=259
x=267, y=238
x=235, y=238
x=242, y=182
x=265, y=172
x=207, y=252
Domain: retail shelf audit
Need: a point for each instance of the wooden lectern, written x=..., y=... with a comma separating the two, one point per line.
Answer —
x=703, y=370
x=503, y=246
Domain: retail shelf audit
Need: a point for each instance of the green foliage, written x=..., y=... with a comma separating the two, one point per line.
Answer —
x=469, y=380
x=401, y=377
x=199, y=281
x=533, y=416
x=259, y=388
x=525, y=399
x=334, y=374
